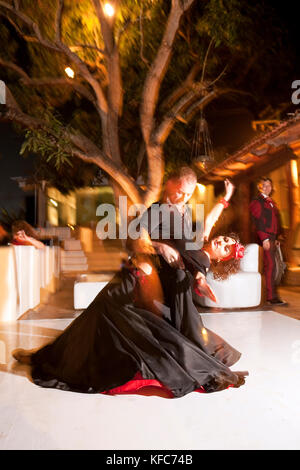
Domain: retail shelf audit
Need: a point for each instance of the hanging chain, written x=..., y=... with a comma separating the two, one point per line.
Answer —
x=202, y=143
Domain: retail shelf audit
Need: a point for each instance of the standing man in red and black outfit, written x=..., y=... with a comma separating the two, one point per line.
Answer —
x=266, y=218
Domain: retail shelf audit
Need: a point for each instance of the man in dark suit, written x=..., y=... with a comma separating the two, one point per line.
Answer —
x=266, y=219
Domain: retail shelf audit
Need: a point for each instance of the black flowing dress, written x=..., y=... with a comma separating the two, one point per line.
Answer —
x=116, y=340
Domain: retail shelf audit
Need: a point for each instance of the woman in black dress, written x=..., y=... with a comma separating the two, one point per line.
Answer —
x=143, y=327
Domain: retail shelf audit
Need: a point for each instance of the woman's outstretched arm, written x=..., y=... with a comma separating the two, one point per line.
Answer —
x=217, y=210
x=24, y=239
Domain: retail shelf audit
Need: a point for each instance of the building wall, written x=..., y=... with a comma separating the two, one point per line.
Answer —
x=280, y=194
x=77, y=208
x=87, y=201
x=61, y=209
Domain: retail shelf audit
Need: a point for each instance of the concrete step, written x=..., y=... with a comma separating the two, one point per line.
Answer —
x=72, y=254
x=74, y=267
x=72, y=245
x=74, y=260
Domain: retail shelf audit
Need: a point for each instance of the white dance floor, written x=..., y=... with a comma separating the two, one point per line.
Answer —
x=263, y=414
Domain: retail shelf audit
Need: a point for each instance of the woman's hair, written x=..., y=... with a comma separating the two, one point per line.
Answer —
x=23, y=225
x=4, y=236
x=223, y=269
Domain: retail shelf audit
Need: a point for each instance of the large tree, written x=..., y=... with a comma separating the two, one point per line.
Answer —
x=139, y=73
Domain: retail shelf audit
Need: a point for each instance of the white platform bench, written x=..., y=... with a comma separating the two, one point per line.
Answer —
x=241, y=290
x=87, y=287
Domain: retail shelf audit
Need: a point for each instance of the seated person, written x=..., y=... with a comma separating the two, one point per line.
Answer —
x=24, y=234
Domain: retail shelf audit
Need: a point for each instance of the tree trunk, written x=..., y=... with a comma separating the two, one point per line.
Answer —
x=155, y=173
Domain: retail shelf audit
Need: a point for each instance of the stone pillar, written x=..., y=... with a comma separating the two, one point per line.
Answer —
x=243, y=200
x=293, y=199
x=41, y=207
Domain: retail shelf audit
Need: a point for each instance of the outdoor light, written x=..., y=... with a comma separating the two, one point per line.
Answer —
x=294, y=172
x=202, y=148
x=108, y=10
x=2, y=92
x=54, y=203
x=69, y=72
x=201, y=188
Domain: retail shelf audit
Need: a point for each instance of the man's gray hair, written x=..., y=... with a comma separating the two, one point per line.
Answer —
x=184, y=172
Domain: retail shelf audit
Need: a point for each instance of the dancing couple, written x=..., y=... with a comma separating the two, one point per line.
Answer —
x=143, y=328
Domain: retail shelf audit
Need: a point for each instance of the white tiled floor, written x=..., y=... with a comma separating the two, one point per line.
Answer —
x=263, y=414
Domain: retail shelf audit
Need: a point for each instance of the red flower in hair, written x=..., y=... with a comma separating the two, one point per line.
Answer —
x=238, y=252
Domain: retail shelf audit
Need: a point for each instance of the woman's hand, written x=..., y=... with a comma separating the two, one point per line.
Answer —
x=203, y=289
x=217, y=210
x=170, y=254
x=22, y=237
x=229, y=189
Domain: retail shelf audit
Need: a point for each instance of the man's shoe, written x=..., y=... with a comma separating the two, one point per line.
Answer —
x=277, y=301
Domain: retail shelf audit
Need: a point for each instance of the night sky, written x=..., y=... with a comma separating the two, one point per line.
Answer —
x=12, y=164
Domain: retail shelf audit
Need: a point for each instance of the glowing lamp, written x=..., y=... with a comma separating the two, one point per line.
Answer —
x=294, y=168
x=108, y=10
x=53, y=202
x=201, y=188
x=69, y=72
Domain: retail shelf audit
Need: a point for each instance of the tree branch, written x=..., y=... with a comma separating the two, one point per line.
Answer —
x=106, y=27
x=85, y=73
x=77, y=47
x=151, y=89
x=48, y=81
x=112, y=59
x=31, y=25
x=199, y=104
x=14, y=67
x=213, y=82
x=119, y=174
x=163, y=130
x=24, y=36
x=58, y=18
x=115, y=89
x=205, y=60
x=58, y=46
x=186, y=108
x=142, y=38
x=61, y=81
x=216, y=93
x=158, y=69
x=183, y=88
x=83, y=147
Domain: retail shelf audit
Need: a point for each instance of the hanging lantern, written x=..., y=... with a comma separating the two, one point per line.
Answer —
x=202, y=149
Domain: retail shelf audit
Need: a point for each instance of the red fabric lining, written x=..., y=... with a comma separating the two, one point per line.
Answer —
x=144, y=386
